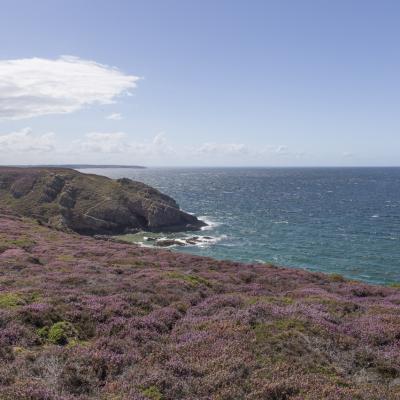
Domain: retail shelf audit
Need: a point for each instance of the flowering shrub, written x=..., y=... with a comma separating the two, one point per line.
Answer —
x=84, y=319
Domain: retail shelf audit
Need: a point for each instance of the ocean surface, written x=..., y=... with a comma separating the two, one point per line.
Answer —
x=334, y=220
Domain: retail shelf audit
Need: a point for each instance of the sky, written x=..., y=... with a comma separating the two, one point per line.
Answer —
x=200, y=83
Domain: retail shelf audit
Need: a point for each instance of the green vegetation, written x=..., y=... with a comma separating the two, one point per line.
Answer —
x=152, y=393
x=336, y=278
x=66, y=258
x=395, y=285
x=283, y=300
x=265, y=331
x=193, y=280
x=23, y=242
x=60, y=333
x=9, y=300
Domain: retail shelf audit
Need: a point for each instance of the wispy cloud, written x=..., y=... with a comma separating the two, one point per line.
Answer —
x=222, y=149
x=36, y=86
x=347, y=154
x=100, y=142
x=123, y=147
x=235, y=150
x=119, y=142
x=25, y=141
x=114, y=116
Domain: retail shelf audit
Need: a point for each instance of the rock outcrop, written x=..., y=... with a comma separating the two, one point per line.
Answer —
x=90, y=204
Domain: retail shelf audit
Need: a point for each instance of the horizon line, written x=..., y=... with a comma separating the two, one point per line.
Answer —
x=137, y=166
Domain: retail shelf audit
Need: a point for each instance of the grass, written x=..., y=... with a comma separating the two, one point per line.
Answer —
x=22, y=242
x=193, y=280
x=270, y=299
x=66, y=258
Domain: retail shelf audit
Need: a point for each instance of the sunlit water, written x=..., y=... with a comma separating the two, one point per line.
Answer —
x=336, y=220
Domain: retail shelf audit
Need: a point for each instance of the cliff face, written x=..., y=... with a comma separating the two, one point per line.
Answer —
x=90, y=204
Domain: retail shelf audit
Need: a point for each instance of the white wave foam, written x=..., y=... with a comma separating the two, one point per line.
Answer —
x=185, y=241
x=205, y=241
x=211, y=224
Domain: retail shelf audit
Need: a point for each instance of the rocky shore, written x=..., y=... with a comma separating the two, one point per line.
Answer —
x=85, y=319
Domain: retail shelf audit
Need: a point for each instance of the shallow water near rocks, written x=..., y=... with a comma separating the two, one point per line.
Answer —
x=335, y=220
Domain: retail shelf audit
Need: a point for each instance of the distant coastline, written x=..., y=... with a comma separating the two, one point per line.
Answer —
x=77, y=166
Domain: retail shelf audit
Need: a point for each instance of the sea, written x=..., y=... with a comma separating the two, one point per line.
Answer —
x=334, y=220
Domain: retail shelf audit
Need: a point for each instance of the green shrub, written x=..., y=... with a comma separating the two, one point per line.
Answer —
x=336, y=278
x=10, y=300
x=43, y=332
x=59, y=333
x=152, y=393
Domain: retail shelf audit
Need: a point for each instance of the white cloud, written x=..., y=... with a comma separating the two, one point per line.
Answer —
x=25, y=141
x=36, y=86
x=99, y=142
x=114, y=116
x=348, y=154
x=118, y=142
x=160, y=139
x=281, y=149
x=240, y=149
x=120, y=147
x=223, y=148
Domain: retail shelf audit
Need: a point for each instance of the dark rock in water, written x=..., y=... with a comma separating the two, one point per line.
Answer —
x=193, y=240
x=168, y=242
x=91, y=204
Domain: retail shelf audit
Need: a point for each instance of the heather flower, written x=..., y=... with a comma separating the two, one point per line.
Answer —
x=139, y=323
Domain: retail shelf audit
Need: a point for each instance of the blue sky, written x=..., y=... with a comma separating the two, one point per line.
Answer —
x=258, y=83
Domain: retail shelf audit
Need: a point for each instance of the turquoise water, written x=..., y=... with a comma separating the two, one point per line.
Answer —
x=336, y=220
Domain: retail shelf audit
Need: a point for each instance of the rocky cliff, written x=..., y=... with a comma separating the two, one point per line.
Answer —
x=90, y=204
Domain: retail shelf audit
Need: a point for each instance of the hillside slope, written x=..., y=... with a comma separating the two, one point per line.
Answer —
x=89, y=319
x=90, y=204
